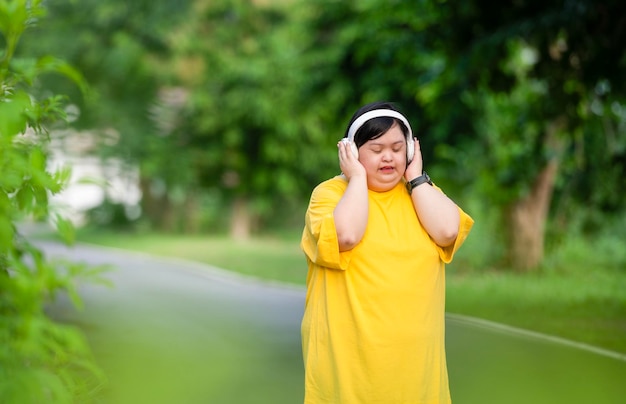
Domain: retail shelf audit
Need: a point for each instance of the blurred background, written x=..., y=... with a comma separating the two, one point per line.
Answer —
x=198, y=128
x=214, y=113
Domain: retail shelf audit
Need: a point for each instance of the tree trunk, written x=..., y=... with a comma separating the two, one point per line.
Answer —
x=157, y=206
x=241, y=220
x=527, y=219
x=191, y=213
x=148, y=203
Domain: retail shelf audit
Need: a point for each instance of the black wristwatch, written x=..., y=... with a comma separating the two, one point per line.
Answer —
x=415, y=182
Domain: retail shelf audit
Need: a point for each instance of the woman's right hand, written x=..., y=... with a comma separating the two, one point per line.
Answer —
x=351, y=212
x=349, y=164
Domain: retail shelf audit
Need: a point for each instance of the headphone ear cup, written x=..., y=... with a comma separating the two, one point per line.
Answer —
x=410, y=149
x=355, y=150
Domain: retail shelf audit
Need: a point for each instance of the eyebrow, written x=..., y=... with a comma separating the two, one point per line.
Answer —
x=374, y=143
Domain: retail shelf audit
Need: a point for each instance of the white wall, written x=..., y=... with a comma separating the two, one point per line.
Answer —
x=92, y=179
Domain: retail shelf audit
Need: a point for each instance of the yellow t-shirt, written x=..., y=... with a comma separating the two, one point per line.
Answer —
x=373, y=326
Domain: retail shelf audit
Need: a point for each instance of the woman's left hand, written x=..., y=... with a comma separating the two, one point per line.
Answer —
x=416, y=167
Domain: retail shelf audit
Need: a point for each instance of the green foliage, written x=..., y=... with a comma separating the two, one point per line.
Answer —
x=247, y=99
x=537, y=86
x=109, y=214
x=123, y=50
x=494, y=92
x=253, y=133
x=511, y=139
x=40, y=360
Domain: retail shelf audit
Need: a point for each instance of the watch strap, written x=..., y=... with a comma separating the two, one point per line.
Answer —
x=415, y=182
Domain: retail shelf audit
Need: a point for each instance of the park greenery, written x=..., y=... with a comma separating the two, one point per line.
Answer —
x=231, y=110
x=40, y=360
x=566, y=299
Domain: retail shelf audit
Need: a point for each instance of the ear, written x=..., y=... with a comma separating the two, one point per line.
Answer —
x=355, y=150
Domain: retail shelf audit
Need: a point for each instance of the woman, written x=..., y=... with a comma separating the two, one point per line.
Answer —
x=373, y=326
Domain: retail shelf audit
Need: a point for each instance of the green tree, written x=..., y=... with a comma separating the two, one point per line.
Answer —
x=122, y=50
x=252, y=131
x=245, y=99
x=40, y=360
x=539, y=78
x=502, y=94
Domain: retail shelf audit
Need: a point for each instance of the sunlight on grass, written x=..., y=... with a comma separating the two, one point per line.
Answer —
x=589, y=308
x=570, y=302
x=267, y=258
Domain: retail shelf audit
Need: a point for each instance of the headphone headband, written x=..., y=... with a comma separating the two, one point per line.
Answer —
x=377, y=113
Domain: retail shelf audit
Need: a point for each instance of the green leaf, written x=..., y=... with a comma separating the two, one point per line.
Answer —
x=13, y=117
x=25, y=197
x=13, y=17
x=7, y=232
x=61, y=177
x=37, y=159
x=41, y=197
x=65, y=229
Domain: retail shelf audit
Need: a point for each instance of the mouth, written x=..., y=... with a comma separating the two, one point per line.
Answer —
x=387, y=169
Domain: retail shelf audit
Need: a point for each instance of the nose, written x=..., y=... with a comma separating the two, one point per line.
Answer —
x=387, y=155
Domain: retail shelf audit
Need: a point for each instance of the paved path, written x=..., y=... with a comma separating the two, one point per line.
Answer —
x=177, y=332
x=174, y=331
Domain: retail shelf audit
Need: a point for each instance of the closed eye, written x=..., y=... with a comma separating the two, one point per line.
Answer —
x=395, y=150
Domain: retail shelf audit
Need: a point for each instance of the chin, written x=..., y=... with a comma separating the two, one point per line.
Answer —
x=382, y=186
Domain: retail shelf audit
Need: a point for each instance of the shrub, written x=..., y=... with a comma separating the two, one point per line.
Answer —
x=40, y=360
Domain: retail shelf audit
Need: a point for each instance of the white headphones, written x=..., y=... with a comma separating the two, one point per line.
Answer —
x=377, y=113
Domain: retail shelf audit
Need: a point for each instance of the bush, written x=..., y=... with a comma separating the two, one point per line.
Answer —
x=40, y=361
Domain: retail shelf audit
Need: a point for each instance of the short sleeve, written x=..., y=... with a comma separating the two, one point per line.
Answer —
x=465, y=225
x=319, y=237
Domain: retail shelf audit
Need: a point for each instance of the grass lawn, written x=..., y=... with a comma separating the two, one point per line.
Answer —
x=583, y=306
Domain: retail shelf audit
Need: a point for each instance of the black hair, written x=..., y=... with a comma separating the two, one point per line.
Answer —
x=375, y=127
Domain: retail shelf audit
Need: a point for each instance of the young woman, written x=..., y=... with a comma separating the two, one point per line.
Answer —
x=376, y=239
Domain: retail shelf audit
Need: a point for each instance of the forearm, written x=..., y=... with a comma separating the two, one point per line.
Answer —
x=438, y=214
x=350, y=214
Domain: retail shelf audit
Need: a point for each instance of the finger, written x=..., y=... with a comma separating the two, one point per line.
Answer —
x=344, y=147
x=341, y=150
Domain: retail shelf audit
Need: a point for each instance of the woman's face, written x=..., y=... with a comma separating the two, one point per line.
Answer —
x=384, y=159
